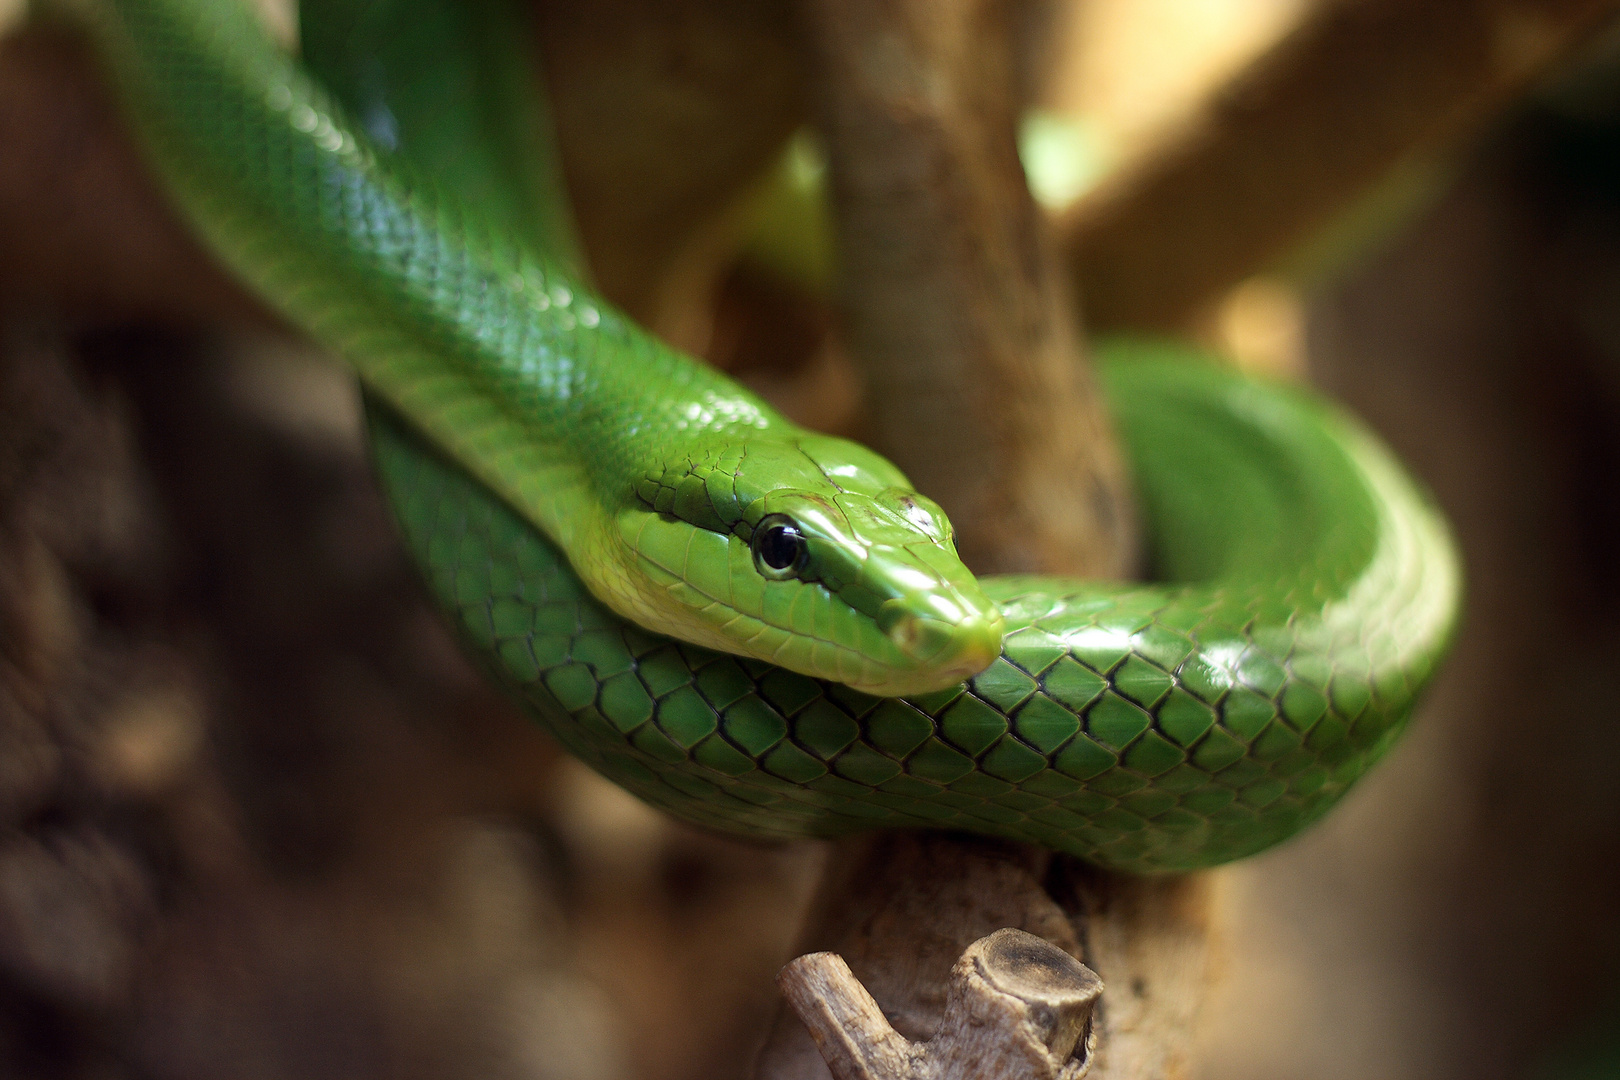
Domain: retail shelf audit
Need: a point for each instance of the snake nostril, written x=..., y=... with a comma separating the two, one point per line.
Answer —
x=904, y=634
x=919, y=637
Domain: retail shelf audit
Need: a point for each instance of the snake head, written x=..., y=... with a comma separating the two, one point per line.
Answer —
x=812, y=553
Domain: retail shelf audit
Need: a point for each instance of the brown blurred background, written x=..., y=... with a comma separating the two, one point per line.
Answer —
x=259, y=819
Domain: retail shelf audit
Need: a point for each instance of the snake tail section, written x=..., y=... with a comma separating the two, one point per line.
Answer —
x=1147, y=728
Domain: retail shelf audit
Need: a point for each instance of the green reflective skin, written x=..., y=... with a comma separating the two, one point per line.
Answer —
x=1307, y=590
x=551, y=398
x=1146, y=728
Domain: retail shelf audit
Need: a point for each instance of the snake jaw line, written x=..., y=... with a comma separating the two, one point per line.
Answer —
x=870, y=581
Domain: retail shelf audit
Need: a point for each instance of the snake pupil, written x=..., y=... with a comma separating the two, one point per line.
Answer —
x=779, y=546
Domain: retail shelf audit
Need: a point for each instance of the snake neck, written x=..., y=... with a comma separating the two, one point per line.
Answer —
x=545, y=393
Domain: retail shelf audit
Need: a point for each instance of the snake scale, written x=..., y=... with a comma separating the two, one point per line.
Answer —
x=758, y=628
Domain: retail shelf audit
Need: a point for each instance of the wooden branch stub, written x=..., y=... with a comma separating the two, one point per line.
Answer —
x=1017, y=1007
x=854, y=1037
x=1054, y=993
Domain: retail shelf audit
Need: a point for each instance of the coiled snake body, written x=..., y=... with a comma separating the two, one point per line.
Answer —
x=765, y=630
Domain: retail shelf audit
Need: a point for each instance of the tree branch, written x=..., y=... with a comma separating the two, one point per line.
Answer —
x=1359, y=88
x=952, y=292
x=960, y=315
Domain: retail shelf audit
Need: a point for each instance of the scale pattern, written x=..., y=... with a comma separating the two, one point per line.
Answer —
x=1146, y=728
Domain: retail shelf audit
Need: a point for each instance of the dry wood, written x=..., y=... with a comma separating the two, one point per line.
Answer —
x=1359, y=88
x=952, y=293
x=901, y=908
x=1150, y=938
x=1017, y=1006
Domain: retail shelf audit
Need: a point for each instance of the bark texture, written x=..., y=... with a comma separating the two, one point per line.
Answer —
x=901, y=909
x=953, y=297
x=1017, y=1006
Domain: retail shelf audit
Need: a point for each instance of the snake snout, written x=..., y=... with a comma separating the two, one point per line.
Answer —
x=953, y=649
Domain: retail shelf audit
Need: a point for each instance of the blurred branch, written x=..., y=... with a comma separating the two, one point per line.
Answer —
x=1359, y=88
x=666, y=110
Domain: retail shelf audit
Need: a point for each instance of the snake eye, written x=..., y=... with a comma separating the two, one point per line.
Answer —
x=779, y=547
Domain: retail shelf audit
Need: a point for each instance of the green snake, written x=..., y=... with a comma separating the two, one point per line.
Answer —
x=759, y=628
